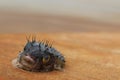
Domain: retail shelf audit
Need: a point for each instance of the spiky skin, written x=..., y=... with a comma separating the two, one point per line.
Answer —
x=40, y=56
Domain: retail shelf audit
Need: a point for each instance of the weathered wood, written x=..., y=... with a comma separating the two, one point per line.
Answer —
x=89, y=56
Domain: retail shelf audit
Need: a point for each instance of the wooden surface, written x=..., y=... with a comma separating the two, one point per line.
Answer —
x=89, y=56
x=11, y=22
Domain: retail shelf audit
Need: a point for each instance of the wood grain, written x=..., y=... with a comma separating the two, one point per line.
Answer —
x=89, y=56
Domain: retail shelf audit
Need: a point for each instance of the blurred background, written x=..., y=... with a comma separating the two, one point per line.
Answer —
x=19, y=16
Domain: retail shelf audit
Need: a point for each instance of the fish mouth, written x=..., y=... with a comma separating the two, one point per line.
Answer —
x=25, y=62
x=29, y=59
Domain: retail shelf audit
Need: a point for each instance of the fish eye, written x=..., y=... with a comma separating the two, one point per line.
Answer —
x=45, y=59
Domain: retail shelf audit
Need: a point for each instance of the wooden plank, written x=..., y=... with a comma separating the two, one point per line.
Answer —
x=89, y=56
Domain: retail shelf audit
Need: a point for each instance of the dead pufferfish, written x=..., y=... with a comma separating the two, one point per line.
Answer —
x=39, y=57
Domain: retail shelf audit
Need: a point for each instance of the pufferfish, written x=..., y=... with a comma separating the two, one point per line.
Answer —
x=39, y=57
